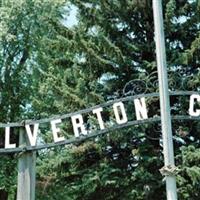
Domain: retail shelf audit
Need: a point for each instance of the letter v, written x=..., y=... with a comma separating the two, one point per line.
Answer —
x=32, y=136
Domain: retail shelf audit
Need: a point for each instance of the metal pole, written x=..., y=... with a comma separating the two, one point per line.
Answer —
x=168, y=148
x=26, y=171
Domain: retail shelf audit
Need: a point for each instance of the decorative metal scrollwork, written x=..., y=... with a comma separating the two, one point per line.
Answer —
x=145, y=83
x=134, y=87
x=174, y=81
x=152, y=81
x=178, y=79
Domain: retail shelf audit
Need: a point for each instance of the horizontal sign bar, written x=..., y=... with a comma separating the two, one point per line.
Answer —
x=119, y=115
x=92, y=135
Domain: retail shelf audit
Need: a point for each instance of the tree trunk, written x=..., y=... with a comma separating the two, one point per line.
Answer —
x=3, y=195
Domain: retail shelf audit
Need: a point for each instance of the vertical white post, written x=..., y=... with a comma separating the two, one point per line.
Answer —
x=168, y=148
x=26, y=171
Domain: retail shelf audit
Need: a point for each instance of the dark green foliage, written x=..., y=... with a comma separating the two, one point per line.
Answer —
x=112, y=44
x=22, y=25
x=189, y=174
x=54, y=69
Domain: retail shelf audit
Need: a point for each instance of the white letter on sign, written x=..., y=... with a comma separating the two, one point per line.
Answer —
x=191, y=109
x=32, y=136
x=7, y=139
x=78, y=126
x=123, y=119
x=140, y=109
x=98, y=111
x=56, y=130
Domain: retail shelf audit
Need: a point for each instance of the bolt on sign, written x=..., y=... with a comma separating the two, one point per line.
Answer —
x=118, y=113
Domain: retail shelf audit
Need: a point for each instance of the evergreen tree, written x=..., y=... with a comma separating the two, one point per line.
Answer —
x=23, y=24
x=112, y=44
x=48, y=68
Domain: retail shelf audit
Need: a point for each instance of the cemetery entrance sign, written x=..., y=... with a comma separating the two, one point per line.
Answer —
x=82, y=129
x=133, y=108
x=123, y=112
